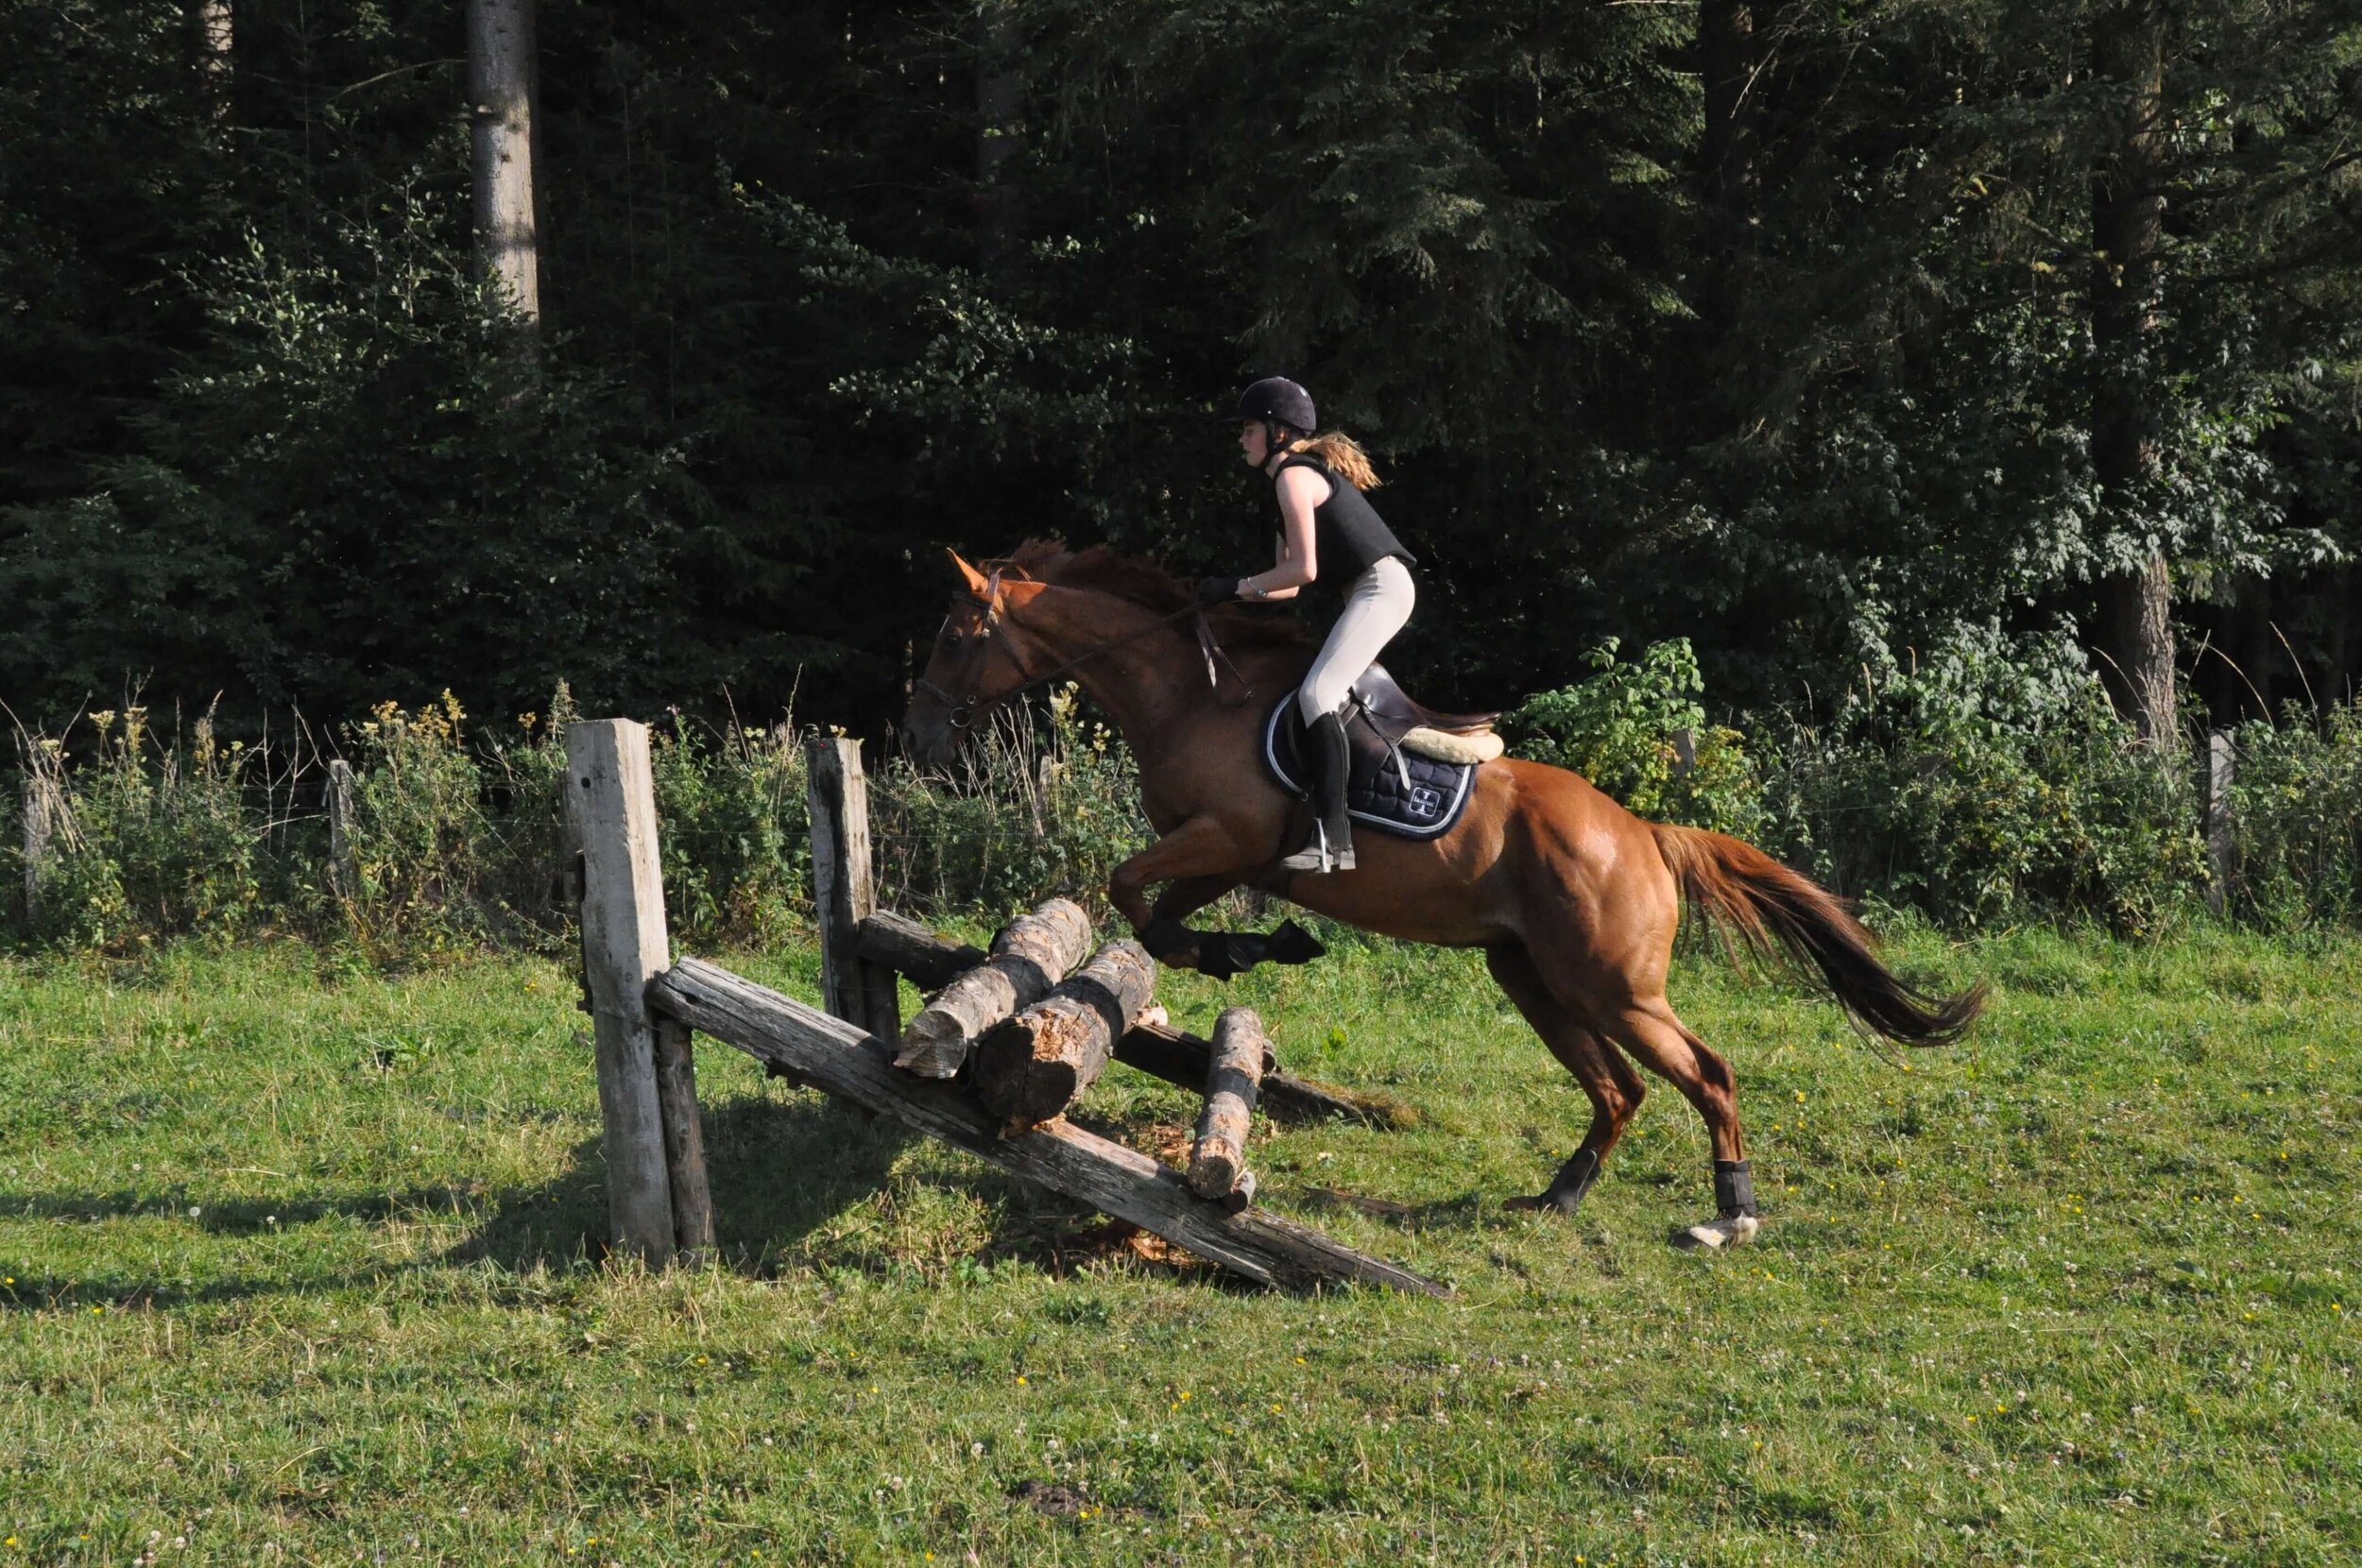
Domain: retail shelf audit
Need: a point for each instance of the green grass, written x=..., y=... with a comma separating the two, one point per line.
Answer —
x=298, y=1272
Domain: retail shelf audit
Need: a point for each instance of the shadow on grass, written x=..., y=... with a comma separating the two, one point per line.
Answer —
x=778, y=1170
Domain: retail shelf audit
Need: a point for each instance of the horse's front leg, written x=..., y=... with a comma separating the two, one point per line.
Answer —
x=1177, y=858
x=1200, y=854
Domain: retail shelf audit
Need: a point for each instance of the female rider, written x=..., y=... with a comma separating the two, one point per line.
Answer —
x=1325, y=525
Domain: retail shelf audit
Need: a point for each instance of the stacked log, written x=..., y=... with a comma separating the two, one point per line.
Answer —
x=1218, y=1162
x=1032, y=1066
x=1029, y=957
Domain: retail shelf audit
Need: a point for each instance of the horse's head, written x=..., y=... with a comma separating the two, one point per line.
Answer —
x=979, y=661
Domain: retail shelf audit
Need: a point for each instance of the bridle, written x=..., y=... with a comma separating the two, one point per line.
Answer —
x=965, y=710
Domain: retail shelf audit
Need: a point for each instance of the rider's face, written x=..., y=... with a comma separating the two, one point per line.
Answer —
x=1254, y=445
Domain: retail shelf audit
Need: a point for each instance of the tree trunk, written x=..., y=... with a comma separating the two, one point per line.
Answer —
x=500, y=97
x=1726, y=49
x=2135, y=629
x=999, y=95
x=216, y=33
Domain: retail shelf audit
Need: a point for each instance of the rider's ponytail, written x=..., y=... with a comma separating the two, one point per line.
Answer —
x=1341, y=452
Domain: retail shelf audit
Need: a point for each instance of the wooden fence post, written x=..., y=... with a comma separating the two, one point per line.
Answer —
x=610, y=800
x=343, y=872
x=1684, y=751
x=2215, y=801
x=843, y=893
x=42, y=811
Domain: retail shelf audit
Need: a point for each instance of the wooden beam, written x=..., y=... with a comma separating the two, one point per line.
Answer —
x=611, y=799
x=834, y=1056
x=1183, y=1059
x=907, y=948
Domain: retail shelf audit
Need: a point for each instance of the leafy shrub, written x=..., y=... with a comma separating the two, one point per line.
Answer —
x=1037, y=806
x=145, y=840
x=2296, y=818
x=735, y=831
x=1981, y=822
x=1618, y=728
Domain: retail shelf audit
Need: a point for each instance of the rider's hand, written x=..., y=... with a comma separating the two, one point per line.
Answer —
x=1215, y=590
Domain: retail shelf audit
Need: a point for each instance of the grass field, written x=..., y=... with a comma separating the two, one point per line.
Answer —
x=296, y=1270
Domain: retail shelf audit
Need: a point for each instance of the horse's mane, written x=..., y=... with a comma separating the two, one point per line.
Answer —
x=1099, y=569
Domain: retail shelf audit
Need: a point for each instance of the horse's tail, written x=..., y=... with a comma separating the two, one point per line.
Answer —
x=1746, y=893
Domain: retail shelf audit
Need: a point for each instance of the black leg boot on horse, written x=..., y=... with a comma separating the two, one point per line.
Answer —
x=1330, y=757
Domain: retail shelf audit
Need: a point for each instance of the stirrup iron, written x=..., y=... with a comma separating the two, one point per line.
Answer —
x=1316, y=855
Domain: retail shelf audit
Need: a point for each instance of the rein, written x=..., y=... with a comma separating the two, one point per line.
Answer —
x=964, y=711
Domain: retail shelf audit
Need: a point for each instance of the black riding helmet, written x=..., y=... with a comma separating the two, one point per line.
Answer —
x=1276, y=402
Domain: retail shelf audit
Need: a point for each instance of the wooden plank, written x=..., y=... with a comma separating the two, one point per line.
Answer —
x=1218, y=1158
x=1030, y=955
x=611, y=798
x=843, y=1061
x=907, y=948
x=1031, y=1067
x=843, y=890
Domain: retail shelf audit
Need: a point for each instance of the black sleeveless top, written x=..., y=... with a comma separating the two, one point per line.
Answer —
x=1346, y=527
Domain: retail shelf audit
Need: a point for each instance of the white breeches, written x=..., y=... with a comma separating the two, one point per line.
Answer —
x=1376, y=607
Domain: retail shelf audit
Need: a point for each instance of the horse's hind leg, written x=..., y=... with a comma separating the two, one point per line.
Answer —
x=1663, y=1045
x=1614, y=1089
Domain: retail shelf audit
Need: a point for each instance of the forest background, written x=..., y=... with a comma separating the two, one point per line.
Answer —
x=1913, y=374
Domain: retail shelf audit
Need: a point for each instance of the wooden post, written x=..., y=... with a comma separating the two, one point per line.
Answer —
x=42, y=811
x=344, y=872
x=843, y=893
x=1684, y=751
x=1218, y=1160
x=684, y=1142
x=2216, y=804
x=610, y=797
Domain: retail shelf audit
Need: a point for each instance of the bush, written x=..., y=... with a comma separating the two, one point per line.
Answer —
x=2296, y=818
x=144, y=840
x=1982, y=823
x=1619, y=729
x=1040, y=805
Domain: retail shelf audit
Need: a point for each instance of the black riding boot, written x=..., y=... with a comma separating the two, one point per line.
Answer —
x=1329, y=759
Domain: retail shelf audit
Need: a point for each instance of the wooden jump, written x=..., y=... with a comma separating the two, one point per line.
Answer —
x=643, y=1012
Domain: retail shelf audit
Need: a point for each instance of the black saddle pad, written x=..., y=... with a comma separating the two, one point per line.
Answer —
x=1414, y=797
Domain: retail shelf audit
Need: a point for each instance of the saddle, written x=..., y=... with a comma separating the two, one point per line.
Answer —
x=1412, y=768
x=1400, y=719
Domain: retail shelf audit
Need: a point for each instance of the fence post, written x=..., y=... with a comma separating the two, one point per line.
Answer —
x=42, y=811
x=610, y=800
x=1684, y=751
x=2216, y=803
x=843, y=893
x=343, y=874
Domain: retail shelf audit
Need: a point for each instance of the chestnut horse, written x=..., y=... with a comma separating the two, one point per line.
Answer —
x=1573, y=899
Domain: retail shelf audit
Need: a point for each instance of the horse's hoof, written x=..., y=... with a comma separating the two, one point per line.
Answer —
x=1540, y=1201
x=1729, y=1230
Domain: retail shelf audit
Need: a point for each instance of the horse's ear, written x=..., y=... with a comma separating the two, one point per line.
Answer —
x=976, y=583
x=1017, y=593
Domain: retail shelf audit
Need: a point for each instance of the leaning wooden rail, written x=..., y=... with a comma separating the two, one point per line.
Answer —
x=845, y=1061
